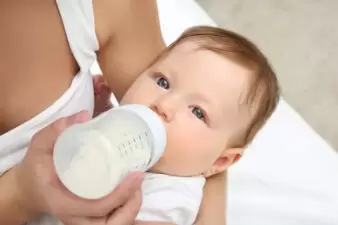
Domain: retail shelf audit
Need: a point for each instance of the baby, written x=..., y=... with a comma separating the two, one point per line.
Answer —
x=213, y=90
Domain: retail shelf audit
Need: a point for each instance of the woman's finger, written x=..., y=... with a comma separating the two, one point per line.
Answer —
x=101, y=207
x=152, y=223
x=83, y=221
x=126, y=214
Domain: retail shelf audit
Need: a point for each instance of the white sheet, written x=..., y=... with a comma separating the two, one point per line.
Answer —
x=289, y=176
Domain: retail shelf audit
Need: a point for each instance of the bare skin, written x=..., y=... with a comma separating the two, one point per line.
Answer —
x=32, y=36
x=37, y=66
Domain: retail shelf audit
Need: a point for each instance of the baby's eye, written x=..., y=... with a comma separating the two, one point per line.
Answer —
x=163, y=83
x=199, y=113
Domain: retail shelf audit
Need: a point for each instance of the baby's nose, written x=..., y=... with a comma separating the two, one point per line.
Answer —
x=165, y=114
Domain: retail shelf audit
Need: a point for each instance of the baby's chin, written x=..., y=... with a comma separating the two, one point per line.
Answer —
x=166, y=170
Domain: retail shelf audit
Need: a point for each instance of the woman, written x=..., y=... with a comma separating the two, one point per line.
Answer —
x=47, y=48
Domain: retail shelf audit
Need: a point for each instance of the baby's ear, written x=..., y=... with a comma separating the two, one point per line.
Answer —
x=227, y=158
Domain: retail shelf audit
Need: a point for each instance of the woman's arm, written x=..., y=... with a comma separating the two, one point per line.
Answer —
x=213, y=207
x=11, y=211
x=135, y=40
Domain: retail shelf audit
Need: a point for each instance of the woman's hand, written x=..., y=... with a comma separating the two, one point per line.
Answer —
x=39, y=189
x=102, y=94
x=124, y=215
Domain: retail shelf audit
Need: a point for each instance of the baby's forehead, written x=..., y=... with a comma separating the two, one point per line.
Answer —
x=217, y=77
x=182, y=50
x=206, y=68
x=192, y=52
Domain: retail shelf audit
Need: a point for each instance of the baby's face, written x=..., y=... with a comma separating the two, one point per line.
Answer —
x=197, y=93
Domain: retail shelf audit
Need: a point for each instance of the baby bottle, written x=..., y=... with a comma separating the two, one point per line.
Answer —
x=92, y=158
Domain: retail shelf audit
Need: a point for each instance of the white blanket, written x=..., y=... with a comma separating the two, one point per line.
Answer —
x=289, y=176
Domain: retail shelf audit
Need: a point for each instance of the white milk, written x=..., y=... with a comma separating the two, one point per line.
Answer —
x=92, y=158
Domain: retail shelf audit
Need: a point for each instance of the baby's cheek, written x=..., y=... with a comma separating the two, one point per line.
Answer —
x=139, y=94
x=188, y=157
x=134, y=97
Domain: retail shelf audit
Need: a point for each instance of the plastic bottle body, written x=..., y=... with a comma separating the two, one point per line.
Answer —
x=92, y=158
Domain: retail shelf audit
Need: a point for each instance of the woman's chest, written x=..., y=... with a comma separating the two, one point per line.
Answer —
x=36, y=63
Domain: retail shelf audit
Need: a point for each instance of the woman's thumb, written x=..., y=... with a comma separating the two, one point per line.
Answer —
x=79, y=117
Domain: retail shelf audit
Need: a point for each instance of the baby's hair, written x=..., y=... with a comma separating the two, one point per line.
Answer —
x=263, y=93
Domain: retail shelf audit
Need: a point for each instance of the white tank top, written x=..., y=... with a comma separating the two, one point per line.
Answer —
x=78, y=21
